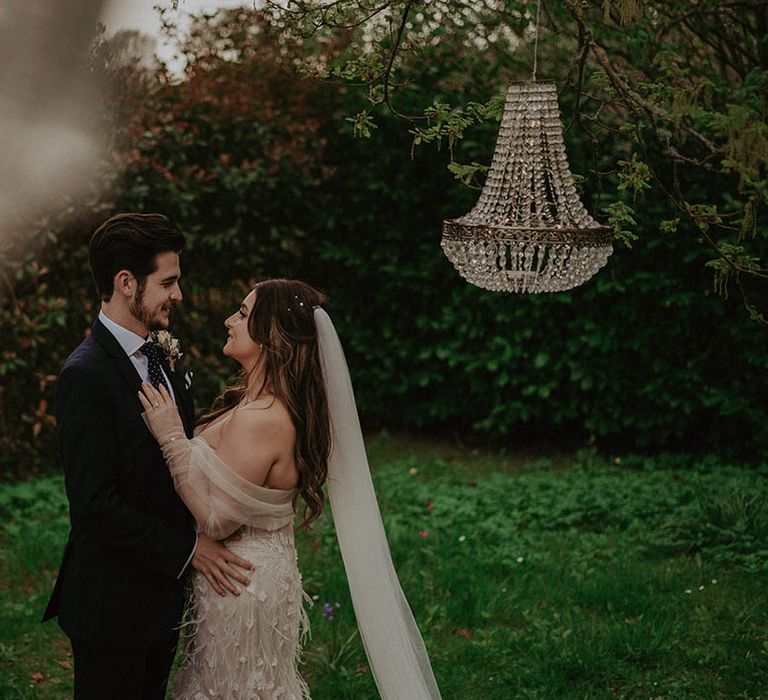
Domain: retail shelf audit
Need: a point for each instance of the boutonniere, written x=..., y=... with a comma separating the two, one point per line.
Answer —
x=169, y=345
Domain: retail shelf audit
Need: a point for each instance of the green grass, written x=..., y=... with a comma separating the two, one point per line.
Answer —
x=542, y=576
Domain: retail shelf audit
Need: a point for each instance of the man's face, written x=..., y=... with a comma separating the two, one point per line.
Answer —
x=160, y=291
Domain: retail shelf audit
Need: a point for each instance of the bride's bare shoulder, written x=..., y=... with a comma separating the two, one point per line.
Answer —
x=265, y=414
x=258, y=436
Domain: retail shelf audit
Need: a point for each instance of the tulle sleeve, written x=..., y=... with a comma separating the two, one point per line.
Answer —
x=221, y=500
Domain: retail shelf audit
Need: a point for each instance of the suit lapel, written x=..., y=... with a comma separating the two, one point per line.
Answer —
x=131, y=377
x=122, y=362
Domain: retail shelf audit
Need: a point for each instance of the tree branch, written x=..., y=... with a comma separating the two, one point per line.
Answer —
x=390, y=64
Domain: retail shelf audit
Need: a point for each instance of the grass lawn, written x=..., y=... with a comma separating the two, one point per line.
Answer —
x=558, y=576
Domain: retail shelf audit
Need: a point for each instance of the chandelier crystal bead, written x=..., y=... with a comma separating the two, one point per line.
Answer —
x=529, y=231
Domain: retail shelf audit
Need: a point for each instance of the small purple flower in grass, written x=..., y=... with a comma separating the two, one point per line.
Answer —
x=428, y=507
x=423, y=534
x=328, y=611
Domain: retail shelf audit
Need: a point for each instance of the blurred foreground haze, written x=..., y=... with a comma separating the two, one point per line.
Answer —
x=48, y=145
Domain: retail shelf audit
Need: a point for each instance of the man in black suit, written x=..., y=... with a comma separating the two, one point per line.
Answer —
x=119, y=594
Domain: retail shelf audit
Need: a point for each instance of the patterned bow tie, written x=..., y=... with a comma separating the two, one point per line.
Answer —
x=152, y=353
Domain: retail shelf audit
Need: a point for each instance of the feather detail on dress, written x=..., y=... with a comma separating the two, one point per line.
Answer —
x=248, y=647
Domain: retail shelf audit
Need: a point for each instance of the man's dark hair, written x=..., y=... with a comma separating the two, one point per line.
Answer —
x=130, y=242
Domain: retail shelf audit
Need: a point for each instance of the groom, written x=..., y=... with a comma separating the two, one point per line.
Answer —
x=119, y=593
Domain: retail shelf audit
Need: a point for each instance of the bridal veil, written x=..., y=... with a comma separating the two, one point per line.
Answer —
x=392, y=641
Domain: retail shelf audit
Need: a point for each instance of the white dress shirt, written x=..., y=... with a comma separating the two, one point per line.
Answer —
x=131, y=343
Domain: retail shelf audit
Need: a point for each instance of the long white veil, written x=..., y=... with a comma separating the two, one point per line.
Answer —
x=392, y=641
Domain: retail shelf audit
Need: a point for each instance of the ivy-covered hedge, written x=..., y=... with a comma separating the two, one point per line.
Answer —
x=261, y=170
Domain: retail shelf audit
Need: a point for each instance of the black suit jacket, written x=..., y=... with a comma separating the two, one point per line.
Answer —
x=130, y=533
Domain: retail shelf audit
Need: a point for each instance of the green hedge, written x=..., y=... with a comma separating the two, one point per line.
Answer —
x=260, y=168
x=643, y=356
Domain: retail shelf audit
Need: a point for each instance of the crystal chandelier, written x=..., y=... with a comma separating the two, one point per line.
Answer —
x=529, y=231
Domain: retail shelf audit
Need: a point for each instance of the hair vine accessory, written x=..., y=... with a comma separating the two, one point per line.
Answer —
x=169, y=345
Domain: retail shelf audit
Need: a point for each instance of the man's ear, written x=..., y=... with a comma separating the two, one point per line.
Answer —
x=125, y=284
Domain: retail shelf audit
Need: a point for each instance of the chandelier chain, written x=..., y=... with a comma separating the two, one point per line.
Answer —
x=536, y=40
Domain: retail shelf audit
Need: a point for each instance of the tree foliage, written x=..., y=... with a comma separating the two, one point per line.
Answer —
x=670, y=95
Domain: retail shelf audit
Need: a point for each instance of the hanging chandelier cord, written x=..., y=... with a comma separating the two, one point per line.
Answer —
x=536, y=41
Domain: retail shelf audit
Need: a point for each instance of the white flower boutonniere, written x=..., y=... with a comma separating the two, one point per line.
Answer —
x=169, y=345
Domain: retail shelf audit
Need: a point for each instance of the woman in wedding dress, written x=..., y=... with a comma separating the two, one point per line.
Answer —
x=272, y=440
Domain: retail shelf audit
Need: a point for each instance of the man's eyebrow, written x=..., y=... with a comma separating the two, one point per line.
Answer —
x=171, y=278
x=243, y=307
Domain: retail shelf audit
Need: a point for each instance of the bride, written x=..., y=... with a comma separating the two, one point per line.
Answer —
x=271, y=439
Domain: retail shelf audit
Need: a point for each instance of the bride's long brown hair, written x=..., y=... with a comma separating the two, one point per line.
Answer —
x=282, y=322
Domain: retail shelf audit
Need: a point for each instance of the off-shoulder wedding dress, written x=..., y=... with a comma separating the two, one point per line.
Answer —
x=247, y=647
x=244, y=646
